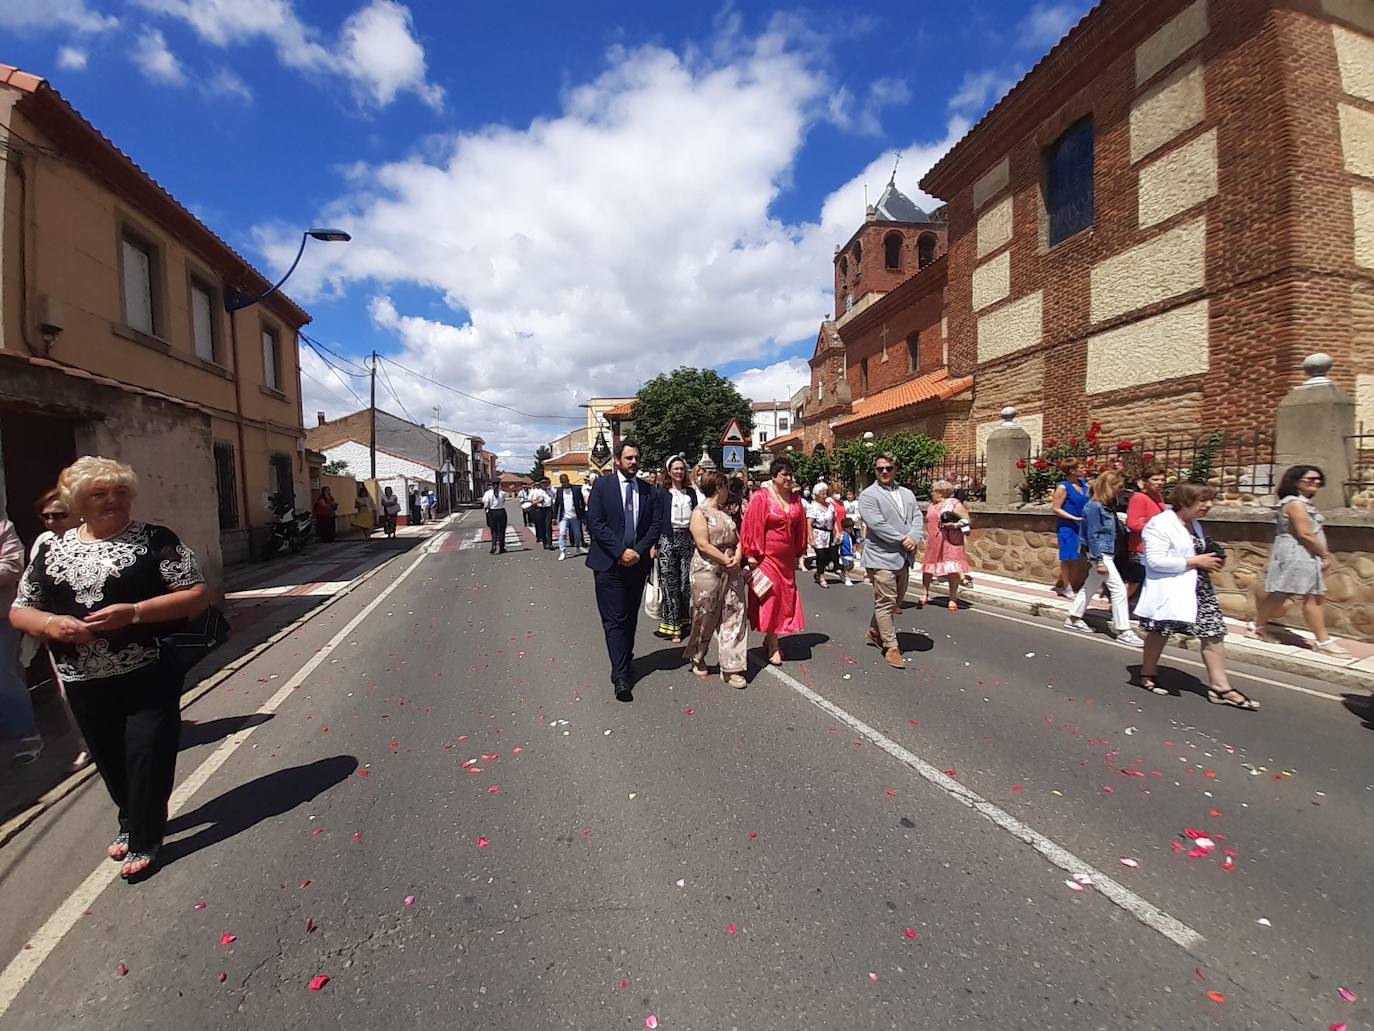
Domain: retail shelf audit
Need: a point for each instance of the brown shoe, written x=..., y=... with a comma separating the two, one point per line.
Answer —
x=873, y=639
x=894, y=658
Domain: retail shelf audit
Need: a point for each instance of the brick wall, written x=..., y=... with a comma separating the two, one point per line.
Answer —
x=877, y=340
x=861, y=265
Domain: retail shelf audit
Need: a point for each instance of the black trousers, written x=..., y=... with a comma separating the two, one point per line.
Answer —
x=619, y=592
x=132, y=726
x=543, y=519
x=496, y=520
x=827, y=558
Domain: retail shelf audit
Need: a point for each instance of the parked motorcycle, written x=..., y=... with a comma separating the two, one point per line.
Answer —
x=290, y=528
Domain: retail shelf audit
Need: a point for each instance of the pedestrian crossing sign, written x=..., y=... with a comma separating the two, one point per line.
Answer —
x=732, y=456
x=733, y=434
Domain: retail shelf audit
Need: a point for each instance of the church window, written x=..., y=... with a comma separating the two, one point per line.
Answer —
x=913, y=350
x=892, y=251
x=925, y=249
x=1069, y=181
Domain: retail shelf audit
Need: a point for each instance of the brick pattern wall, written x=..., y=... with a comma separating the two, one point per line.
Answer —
x=861, y=267
x=878, y=340
x=1280, y=277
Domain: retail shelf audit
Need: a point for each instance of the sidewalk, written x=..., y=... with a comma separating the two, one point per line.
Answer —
x=1293, y=657
x=262, y=600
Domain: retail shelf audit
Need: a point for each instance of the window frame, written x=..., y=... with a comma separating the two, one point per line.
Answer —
x=921, y=261
x=913, y=351
x=130, y=233
x=198, y=280
x=228, y=506
x=888, y=240
x=1051, y=209
x=270, y=329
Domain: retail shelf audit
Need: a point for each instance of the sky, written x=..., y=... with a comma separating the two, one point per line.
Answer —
x=548, y=201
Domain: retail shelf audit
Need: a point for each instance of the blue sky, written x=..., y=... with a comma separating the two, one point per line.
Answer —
x=549, y=200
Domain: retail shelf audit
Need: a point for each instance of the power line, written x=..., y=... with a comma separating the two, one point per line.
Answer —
x=482, y=400
x=396, y=397
x=361, y=373
x=330, y=365
x=306, y=373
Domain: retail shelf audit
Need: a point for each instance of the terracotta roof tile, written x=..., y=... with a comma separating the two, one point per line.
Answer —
x=794, y=438
x=937, y=386
x=571, y=458
x=19, y=79
x=620, y=411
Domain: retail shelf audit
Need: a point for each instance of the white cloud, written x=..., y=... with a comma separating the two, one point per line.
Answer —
x=385, y=57
x=776, y=382
x=226, y=83
x=865, y=118
x=629, y=232
x=978, y=90
x=49, y=14
x=376, y=50
x=155, y=60
x=71, y=59
x=1047, y=24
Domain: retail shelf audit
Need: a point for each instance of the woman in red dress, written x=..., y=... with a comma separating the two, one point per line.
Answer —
x=773, y=538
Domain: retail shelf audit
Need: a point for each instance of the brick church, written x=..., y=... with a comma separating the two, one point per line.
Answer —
x=1151, y=230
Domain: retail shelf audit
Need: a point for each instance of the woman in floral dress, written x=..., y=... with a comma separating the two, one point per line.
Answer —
x=944, y=555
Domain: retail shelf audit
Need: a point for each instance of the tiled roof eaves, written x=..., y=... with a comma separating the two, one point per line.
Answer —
x=919, y=282
x=940, y=181
x=570, y=458
x=943, y=390
x=47, y=106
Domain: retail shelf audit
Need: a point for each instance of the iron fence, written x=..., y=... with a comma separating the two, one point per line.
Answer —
x=1240, y=465
x=969, y=476
x=1361, y=482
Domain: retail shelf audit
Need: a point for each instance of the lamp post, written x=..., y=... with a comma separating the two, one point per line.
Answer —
x=236, y=301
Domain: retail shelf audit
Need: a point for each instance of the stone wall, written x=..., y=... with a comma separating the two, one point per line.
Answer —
x=1020, y=543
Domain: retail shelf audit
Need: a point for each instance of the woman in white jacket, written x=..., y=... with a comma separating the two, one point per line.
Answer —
x=1178, y=597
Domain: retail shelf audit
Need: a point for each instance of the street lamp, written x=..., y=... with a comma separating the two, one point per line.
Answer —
x=235, y=301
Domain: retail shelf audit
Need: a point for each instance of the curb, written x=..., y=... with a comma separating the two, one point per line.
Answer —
x=12, y=827
x=1336, y=676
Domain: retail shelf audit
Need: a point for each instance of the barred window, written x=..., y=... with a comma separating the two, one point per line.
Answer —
x=226, y=484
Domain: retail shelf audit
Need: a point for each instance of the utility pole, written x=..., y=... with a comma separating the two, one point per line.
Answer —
x=372, y=446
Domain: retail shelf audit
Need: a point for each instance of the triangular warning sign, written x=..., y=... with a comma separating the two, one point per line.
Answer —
x=733, y=434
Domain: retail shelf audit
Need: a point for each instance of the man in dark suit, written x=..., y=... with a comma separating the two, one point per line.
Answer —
x=569, y=513
x=622, y=521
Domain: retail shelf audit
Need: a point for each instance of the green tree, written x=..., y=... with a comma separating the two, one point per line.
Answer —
x=338, y=467
x=683, y=412
x=916, y=455
x=541, y=455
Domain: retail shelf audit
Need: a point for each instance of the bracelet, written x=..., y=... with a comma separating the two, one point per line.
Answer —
x=47, y=623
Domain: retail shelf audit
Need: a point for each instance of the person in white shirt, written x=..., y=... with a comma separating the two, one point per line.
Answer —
x=494, y=505
x=526, y=507
x=541, y=510
x=569, y=512
x=676, y=547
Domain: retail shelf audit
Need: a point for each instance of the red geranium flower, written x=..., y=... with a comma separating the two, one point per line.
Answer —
x=1041, y=464
x=1052, y=442
x=1096, y=427
x=1125, y=445
x=1073, y=442
x=1147, y=459
x=1021, y=463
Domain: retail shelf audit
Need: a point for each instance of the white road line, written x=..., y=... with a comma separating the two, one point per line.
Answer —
x=20, y=969
x=1147, y=913
x=1167, y=657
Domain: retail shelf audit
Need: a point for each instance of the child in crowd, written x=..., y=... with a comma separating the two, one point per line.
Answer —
x=847, y=550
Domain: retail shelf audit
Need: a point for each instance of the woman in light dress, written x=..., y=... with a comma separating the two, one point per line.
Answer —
x=944, y=555
x=719, y=586
x=823, y=523
x=1300, y=559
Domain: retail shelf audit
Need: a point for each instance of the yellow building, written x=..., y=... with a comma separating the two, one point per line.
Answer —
x=573, y=464
x=115, y=337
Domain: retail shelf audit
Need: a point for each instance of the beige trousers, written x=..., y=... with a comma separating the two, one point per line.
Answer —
x=889, y=588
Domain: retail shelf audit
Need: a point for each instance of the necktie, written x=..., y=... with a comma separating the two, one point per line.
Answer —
x=629, y=513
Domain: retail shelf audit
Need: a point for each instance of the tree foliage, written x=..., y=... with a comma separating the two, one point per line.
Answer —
x=338, y=467
x=683, y=412
x=916, y=454
x=541, y=455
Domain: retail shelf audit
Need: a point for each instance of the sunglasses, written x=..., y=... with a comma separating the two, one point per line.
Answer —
x=886, y=468
x=49, y=517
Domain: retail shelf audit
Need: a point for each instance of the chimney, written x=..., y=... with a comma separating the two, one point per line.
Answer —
x=320, y=417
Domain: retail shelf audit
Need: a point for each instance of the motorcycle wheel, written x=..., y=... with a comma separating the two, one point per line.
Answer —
x=298, y=543
x=269, y=549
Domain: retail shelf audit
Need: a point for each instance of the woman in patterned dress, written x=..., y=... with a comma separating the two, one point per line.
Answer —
x=944, y=543
x=96, y=596
x=719, y=590
x=675, y=501
x=1300, y=559
x=1178, y=597
x=774, y=538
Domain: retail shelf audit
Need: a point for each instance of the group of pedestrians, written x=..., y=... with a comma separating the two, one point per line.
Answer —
x=727, y=558
x=1139, y=546
x=98, y=593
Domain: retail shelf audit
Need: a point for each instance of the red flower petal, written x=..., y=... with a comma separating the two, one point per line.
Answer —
x=1216, y=997
x=624, y=985
x=494, y=789
x=730, y=928
x=362, y=773
x=228, y=939
x=910, y=933
x=122, y=969
x=1347, y=994
x=318, y=982
x=482, y=842
x=951, y=773
x=892, y=794
x=223, y=977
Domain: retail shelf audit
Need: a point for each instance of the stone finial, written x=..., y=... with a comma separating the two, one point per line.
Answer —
x=704, y=462
x=1317, y=366
x=837, y=248
x=871, y=214
x=868, y=435
x=1009, y=415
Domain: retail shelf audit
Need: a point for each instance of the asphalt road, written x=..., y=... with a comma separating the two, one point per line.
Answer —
x=451, y=818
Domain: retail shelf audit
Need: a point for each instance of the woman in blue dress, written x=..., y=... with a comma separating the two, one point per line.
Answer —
x=1067, y=503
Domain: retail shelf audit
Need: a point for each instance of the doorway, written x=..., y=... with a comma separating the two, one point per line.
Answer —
x=34, y=449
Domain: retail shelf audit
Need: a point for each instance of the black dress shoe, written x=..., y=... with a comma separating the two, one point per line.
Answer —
x=623, y=692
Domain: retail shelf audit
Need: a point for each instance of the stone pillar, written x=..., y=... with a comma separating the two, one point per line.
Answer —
x=1007, y=445
x=1314, y=424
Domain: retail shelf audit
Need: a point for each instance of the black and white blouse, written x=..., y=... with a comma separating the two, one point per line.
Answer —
x=72, y=577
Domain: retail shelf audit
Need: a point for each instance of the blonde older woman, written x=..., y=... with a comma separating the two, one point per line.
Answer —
x=945, y=521
x=96, y=596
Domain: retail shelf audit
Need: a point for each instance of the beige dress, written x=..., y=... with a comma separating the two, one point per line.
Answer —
x=719, y=599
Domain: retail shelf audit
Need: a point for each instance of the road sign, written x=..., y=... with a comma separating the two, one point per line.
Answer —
x=732, y=456
x=733, y=434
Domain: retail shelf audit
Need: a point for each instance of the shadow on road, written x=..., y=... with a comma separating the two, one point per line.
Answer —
x=1361, y=705
x=1175, y=681
x=247, y=805
x=800, y=646
x=912, y=642
x=659, y=661
x=193, y=733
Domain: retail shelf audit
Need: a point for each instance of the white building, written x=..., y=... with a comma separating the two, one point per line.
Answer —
x=771, y=419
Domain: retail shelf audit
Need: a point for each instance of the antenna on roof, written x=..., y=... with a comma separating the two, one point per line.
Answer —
x=865, y=196
x=898, y=161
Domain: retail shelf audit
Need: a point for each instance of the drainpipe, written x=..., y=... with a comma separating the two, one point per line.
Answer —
x=238, y=425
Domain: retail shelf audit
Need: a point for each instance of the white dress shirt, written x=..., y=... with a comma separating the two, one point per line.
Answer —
x=492, y=501
x=621, y=479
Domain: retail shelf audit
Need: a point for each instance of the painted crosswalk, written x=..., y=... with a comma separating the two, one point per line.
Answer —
x=517, y=539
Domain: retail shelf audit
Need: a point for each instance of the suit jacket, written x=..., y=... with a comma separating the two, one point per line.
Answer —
x=663, y=497
x=579, y=505
x=606, y=524
x=889, y=516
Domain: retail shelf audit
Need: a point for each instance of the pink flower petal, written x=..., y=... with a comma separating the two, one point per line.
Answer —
x=228, y=939
x=494, y=789
x=651, y=1022
x=318, y=982
x=410, y=900
x=730, y=928
x=1074, y=885
x=122, y=969
x=624, y=985
x=1337, y=1027
x=872, y=976
x=1347, y=994
x=199, y=906
x=223, y=977
x=1130, y=862
x=482, y=842
x=910, y=933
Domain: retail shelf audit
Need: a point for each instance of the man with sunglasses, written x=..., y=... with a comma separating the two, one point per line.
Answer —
x=893, y=531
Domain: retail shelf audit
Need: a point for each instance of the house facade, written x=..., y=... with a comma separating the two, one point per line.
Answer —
x=409, y=457
x=105, y=278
